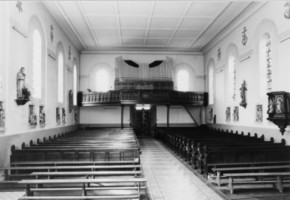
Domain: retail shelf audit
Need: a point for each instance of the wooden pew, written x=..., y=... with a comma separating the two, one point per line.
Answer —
x=220, y=171
x=52, y=154
x=60, y=163
x=278, y=178
x=8, y=171
x=85, y=186
x=87, y=174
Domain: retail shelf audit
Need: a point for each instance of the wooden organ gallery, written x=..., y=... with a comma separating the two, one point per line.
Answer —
x=144, y=100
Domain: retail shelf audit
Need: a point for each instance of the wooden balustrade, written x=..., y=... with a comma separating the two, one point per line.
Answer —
x=165, y=97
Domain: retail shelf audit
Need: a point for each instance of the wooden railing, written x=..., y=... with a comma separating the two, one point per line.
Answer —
x=164, y=97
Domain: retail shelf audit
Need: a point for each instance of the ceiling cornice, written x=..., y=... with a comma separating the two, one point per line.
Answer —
x=210, y=25
x=249, y=11
x=60, y=9
x=149, y=51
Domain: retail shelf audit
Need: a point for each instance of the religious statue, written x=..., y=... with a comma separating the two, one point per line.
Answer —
x=20, y=83
x=41, y=116
x=243, y=90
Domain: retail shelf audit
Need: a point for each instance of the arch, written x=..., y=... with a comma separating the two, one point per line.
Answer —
x=211, y=80
x=189, y=82
x=265, y=28
x=37, y=57
x=101, y=77
x=232, y=56
x=60, y=54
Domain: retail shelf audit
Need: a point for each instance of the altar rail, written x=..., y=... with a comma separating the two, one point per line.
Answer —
x=164, y=97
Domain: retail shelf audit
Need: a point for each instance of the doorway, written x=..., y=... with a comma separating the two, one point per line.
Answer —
x=143, y=120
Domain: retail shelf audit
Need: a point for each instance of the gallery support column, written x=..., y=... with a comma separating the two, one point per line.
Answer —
x=168, y=113
x=122, y=116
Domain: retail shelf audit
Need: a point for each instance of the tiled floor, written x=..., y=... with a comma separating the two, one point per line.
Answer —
x=11, y=195
x=168, y=178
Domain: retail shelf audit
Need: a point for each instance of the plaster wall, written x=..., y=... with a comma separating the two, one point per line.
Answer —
x=14, y=52
x=269, y=18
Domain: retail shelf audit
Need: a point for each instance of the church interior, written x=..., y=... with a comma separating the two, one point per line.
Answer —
x=145, y=100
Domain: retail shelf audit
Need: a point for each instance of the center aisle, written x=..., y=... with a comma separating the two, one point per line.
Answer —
x=167, y=178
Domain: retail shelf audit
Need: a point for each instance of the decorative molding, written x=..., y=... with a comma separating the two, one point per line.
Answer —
x=247, y=55
x=221, y=67
x=69, y=52
x=284, y=36
x=219, y=54
x=51, y=54
x=147, y=51
x=51, y=33
x=244, y=36
x=219, y=71
x=19, y=31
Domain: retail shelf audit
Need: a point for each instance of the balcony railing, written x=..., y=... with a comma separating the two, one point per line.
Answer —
x=159, y=97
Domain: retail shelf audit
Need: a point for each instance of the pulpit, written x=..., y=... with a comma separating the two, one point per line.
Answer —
x=279, y=109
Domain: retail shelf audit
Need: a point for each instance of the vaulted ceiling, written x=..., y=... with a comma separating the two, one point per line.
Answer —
x=143, y=25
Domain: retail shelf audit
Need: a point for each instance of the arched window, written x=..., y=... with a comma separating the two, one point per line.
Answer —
x=60, y=63
x=36, y=53
x=182, y=79
x=102, y=80
x=75, y=82
x=232, y=77
x=265, y=56
x=211, y=84
x=36, y=63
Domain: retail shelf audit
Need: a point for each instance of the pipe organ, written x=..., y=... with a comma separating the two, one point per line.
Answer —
x=155, y=75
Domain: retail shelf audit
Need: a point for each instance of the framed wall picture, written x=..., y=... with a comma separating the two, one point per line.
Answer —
x=228, y=114
x=70, y=101
x=32, y=119
x=76, y=115
x=63, y=116
x=41, y=116
x=236, y=113
x=210, y=114
x=57, y=116
x=2, y=116
x=259, y=113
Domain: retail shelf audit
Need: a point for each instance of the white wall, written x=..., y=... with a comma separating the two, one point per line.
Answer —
x=109, y=116
x=269, y=18
x=14, y=51
x=89, y=60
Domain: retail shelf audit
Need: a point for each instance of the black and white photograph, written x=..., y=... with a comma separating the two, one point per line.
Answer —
x=144, y=100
